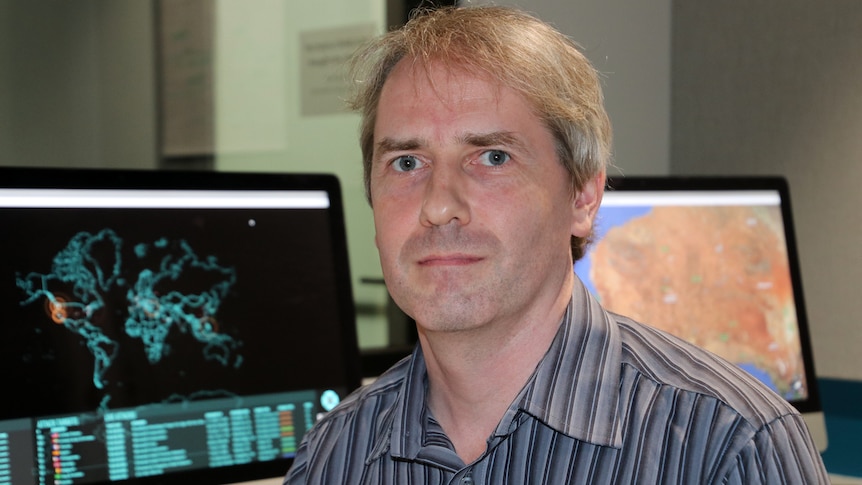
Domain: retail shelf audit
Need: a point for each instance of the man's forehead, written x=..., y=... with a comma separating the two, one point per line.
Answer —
x=446, y=80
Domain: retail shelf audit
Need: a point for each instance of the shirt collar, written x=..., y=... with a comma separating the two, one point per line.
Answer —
x=575, y=389
x=403, y=424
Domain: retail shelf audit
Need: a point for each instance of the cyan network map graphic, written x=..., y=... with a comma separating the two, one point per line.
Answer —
x=163, y=295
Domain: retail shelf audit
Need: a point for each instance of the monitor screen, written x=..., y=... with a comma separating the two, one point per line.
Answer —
x=713, y=261
x=168, y=327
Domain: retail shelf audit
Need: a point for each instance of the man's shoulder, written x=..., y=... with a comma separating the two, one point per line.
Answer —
x=357, y=427
x=667, y=360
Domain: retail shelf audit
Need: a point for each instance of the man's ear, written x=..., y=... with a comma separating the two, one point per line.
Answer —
x=586, y=206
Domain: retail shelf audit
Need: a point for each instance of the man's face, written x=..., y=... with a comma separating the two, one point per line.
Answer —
x=472, y=210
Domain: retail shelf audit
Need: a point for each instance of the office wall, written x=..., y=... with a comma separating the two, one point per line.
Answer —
x=77, y=84
x=5, y=85
x=775, y=87
x=629, y=42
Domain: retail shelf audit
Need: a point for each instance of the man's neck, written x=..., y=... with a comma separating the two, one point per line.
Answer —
x=474, y=376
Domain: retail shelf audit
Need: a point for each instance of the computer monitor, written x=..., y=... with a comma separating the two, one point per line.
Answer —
x=713, y=261
x=168, y=327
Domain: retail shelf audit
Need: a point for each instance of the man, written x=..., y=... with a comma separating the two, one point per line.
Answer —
x=485, y=144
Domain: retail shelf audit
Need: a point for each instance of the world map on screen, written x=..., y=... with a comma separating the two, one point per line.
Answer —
x=167, y=288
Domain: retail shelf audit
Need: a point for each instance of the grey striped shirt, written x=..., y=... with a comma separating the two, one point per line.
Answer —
x=613, y=401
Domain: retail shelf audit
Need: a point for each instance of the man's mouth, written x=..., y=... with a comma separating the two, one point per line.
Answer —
x=449, y=260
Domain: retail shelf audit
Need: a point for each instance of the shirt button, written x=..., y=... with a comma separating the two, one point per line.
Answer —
x=468, y=480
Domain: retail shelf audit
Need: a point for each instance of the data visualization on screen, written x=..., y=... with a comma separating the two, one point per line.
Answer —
x=170, y=327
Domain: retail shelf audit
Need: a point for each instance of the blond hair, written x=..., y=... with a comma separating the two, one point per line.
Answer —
x=508, y=46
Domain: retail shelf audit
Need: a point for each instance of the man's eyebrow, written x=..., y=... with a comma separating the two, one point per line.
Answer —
x=496, y=138
x=392, y=145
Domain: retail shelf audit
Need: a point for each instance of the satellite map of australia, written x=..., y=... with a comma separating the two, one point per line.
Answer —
x=715, y=276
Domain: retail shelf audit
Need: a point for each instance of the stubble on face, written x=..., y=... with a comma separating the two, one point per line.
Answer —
x=447, y=276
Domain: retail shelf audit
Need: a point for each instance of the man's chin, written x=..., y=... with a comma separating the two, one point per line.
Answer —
x=444, y=315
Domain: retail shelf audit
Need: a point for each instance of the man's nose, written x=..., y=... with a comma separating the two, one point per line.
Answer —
x=445, y=198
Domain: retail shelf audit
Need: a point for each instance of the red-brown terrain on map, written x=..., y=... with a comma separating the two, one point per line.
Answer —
x=717, y=278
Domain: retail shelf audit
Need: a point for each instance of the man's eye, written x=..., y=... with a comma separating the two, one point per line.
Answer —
x=406, y=163
x=494, y=158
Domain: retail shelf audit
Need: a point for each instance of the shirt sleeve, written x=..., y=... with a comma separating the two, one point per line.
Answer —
x=782, y=452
